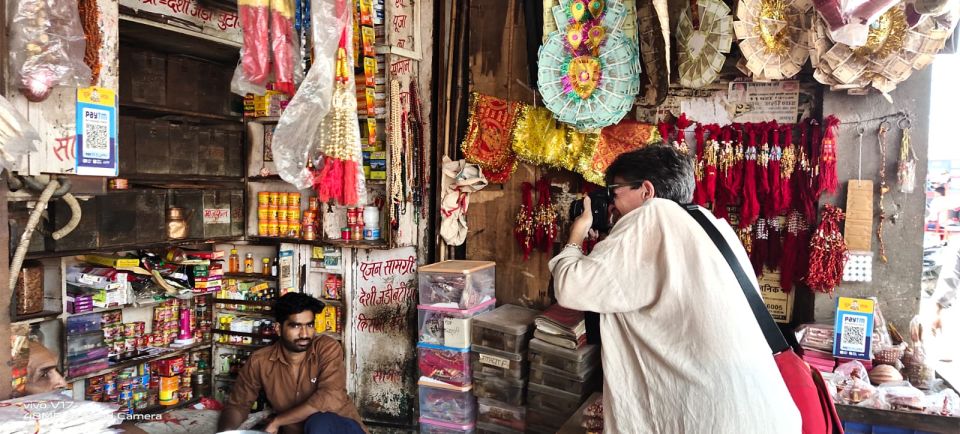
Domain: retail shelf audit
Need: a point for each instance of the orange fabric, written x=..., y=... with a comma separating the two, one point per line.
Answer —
x=625, y=136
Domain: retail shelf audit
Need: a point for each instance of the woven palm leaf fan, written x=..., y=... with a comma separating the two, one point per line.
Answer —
x=588, y=72
x=892, y=52
x=774, y=37
x=704, y=35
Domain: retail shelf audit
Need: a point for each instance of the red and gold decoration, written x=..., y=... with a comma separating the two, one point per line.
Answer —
x=828, y=252
x=617, y=139
x=487, y=142
x=536, y=226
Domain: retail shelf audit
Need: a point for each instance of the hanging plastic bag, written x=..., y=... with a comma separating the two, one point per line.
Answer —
x=17, y=136
x=47, y=45
x=298, y=131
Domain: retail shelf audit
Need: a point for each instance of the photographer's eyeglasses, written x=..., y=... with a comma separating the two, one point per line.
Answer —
x=612, y=187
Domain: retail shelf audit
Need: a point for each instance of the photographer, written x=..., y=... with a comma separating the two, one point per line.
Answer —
x=682, y=351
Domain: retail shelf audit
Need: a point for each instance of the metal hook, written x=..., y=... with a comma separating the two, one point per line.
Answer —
x=905, y=119
x=885, y=125
x=860, y=130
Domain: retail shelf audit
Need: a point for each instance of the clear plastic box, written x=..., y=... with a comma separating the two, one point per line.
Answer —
x=577, y=363
x=447, y=326
x=496, y=363
x=449, y=365
x=457, y=284
x=489, y=428
x=445, y=403
x=557, y=379
x=507, y=390
x=430, y=426
x=501, y=414
x=507, y=328
x=553, y=400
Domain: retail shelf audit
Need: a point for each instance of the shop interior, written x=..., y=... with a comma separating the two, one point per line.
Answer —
x=172, y=169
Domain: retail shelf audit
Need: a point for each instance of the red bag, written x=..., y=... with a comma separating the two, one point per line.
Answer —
x=805, y=384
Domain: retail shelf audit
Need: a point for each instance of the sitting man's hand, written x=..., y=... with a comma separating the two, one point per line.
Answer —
x=273, y=427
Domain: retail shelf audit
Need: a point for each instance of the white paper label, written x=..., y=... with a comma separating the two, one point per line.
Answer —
x=494, y=361
x=216, y=216
x=456, y=332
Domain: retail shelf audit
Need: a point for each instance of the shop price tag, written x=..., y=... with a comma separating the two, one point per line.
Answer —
x=96, y=132
x=854, y=328
x=456, y=332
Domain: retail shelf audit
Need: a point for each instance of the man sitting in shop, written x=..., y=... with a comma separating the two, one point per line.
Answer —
x=302, y=376
x=682, y=350
x=42, y=373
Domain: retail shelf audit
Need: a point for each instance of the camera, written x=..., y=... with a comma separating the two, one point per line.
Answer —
x=599, y=203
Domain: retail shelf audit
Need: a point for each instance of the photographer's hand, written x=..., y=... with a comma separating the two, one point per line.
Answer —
x=580, y=228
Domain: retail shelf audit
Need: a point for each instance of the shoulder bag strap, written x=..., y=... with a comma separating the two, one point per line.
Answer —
x=769, y=327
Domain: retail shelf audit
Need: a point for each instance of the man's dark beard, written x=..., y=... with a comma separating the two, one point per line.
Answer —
x=292, y=346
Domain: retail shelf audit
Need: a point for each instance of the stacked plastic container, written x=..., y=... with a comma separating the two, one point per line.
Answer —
x=500, y=368
x=560, y=380
x=452, y=294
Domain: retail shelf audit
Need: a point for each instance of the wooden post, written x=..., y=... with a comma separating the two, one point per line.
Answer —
x=6, y=293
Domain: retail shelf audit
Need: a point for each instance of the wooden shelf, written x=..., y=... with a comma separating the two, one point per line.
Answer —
x=364, y=244
x=242, y=346
x=225, y=377
x=265, y=119
x=331, y=301
x=160, y=409
x=257, y=276
x=181, y=181
x=327, y=270
x=244, y=334
x=132, y=246
x=153, y=110
x=142, y=359
x=142, y=28
x=243, y=302
x=262, y=178
x=268, y=313
x=35, y=317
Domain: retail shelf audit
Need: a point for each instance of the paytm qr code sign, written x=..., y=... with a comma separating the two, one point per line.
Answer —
x=854, y=328
x=96, y=132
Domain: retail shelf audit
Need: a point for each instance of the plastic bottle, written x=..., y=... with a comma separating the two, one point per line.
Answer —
x=248, y=263
x=234, y=261
x=266, y=267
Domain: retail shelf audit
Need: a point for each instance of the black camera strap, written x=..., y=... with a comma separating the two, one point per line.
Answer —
x=768, y=326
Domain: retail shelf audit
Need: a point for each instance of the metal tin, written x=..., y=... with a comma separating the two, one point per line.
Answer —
x=282, y=199
x=371, y=234
x=282, y=212
x=345, y=233
x=129, y=330
x=313, y=204
x=272, y=212
x=274, y=198
x=273, y=228
x=263, y=228
x=293, y=213
x=282, y=228
x=263, y=213
x=263, y=198
x=356, y=233
x=351, y=216
x=309, y=233
x=293, y=199
x=294, y=230
x=109, y=387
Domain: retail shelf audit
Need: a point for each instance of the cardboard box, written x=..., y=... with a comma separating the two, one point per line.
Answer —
x=378, y=175
x=112, y=261
x=379, y=155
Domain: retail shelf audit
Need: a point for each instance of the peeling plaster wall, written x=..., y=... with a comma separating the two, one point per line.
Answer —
x=897, y=282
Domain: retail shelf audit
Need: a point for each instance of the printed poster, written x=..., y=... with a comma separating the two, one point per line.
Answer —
x=96, y=132
x=854, y=328
x=762, y=102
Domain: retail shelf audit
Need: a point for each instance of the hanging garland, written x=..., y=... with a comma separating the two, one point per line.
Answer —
x=704, y=35
x=524, y=227
x=828, y=252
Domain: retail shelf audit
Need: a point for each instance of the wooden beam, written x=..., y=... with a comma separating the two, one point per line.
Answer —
x=6, y=293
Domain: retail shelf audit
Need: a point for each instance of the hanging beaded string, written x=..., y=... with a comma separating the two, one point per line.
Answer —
x=396, y=145
x=523, y=228
x=828, y=252
x=89, y=20
x=420, y=174
x=882, y=143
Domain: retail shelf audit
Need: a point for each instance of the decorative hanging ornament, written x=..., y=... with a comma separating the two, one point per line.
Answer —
x=773, y=37
x=523, y=228
x=704, y=35
x=892, y=51
x=653, y=24
x=588, y=72
x=828, y=252
x=907, y=166
x=487, y=142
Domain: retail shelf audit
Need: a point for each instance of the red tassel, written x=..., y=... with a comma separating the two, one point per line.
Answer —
x=726, y=196
x=700, y=189
x=664, y=131
x=804, y=179
x=523, y=227
x=750, y=209
x=736, y=173
x=828, y=157
x=828, y=252
x=774, y=197
x=320, y=180
x=333, y=181
x=350, y=195
x=763, y=162
x=774, y=247
x=758, y=248
x=795, y=244
x=710, y=170
x=785, y=191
